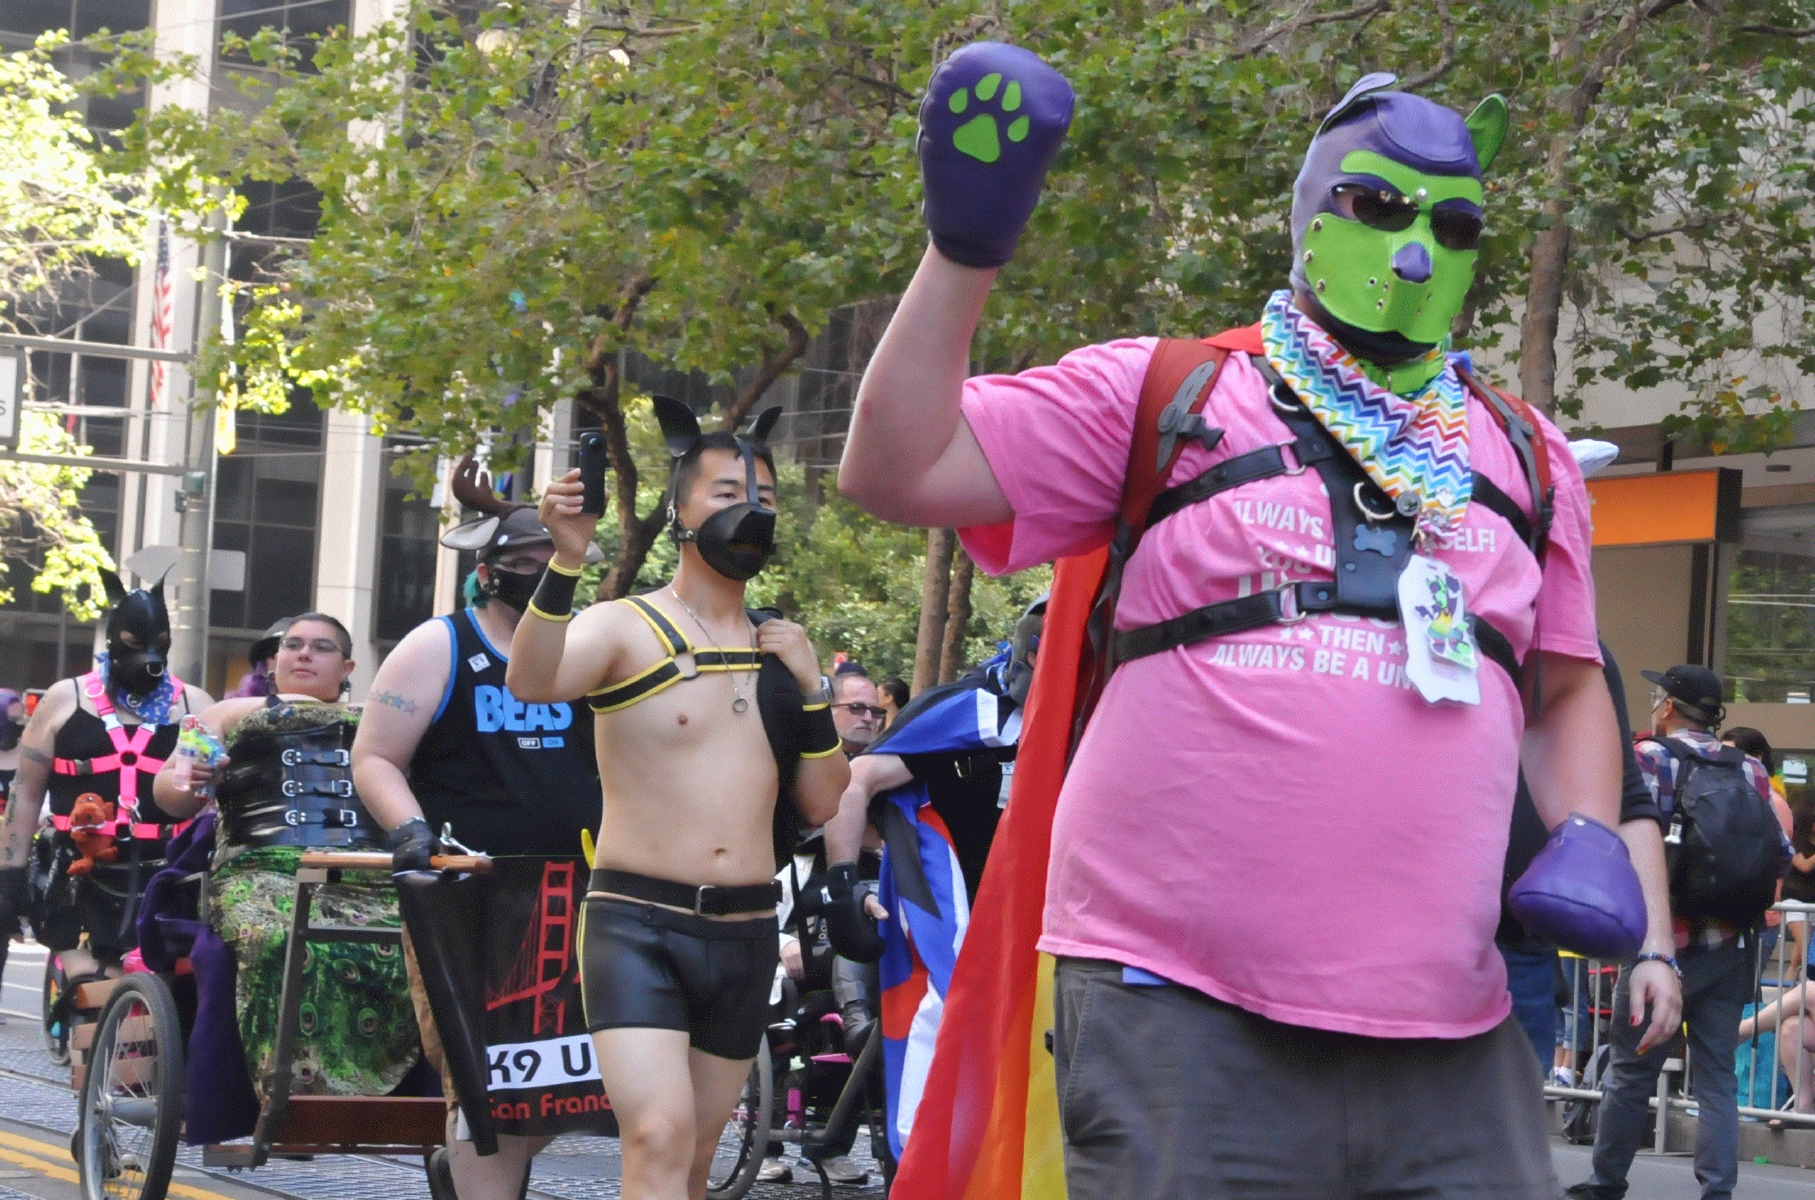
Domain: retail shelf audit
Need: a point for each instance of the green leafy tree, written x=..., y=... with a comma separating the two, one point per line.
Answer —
x=42, y=524
x=510, y=203
x=61, y=207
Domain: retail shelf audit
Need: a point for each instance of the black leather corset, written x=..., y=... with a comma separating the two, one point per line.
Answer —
x=290, y=783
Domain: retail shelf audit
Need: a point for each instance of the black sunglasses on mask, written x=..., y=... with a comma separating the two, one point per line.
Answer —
x=1390, y=212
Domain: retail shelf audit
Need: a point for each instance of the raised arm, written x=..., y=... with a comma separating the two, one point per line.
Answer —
x=910, y=457
x=553, y=657
x=399, y=710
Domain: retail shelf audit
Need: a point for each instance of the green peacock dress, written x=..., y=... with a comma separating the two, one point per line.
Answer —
x=356, y=1034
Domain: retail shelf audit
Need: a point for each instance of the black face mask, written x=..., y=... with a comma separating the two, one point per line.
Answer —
x=738, y=541
x=136, y=670
x=512, y=588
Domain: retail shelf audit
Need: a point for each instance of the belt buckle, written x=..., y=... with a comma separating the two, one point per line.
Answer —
x=292, y=757
x=699, y=898
x=291, y=788
x=293, y=817
x=348, y=818
x=343, y=788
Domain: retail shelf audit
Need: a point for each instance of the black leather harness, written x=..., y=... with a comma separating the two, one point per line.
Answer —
x=1373, y=539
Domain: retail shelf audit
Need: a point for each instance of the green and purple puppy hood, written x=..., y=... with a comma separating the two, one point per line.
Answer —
x=1387, y=210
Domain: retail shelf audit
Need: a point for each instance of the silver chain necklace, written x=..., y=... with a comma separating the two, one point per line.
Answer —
x=740, y=702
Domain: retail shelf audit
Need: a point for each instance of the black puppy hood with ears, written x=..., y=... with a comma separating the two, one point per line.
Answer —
x=136, y=670
x=736, y=541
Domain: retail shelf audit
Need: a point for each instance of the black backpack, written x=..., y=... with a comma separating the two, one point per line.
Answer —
x=1725, y=847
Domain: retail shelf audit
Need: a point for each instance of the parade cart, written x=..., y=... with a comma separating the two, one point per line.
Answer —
x=128, y=1043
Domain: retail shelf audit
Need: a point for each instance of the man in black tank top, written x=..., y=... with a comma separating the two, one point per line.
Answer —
x=103, y=734
x=711, y=721
x=443, y=742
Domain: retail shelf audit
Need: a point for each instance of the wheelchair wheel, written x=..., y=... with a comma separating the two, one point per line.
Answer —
x=132, y=1098
x=55, y=1011
x=746, y=1134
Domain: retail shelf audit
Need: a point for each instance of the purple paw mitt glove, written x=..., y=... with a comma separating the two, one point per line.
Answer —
x=993, y=117
x=1581, y=892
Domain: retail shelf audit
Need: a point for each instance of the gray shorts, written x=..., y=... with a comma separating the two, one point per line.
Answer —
x=1164, y=1092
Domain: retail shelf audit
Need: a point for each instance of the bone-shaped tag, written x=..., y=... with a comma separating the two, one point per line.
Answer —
x=1380, y=541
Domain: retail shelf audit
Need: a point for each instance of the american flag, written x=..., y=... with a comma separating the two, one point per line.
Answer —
x=160, y=313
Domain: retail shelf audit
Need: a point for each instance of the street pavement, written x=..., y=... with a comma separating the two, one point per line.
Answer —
x=37, y=1114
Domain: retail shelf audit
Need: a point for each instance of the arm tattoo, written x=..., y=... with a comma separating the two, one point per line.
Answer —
x=36, y=756
x=402, y=704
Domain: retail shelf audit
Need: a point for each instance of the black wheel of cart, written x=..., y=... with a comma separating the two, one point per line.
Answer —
x=746, y=1134
x=132, y=1097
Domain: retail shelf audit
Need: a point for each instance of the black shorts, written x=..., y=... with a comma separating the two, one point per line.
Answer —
x=643, y=967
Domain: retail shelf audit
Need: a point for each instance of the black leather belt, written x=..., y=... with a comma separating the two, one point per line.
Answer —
x=703, y=900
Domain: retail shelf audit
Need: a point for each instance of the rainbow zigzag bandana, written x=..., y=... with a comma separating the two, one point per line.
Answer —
x=1415, y=444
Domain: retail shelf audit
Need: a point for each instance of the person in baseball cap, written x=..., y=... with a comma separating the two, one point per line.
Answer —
x=1693, y=691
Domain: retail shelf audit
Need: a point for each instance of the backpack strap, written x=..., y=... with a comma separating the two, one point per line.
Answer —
x=1520, y=424
x=1180, y=377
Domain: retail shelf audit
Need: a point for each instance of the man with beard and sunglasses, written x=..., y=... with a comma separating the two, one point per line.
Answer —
x=1365, y=594
x=443, y=743
x=715, y=740
x=94, y=744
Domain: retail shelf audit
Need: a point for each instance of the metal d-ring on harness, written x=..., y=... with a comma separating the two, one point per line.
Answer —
x=1373, y=538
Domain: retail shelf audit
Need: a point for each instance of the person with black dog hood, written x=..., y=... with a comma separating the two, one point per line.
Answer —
x=99, y=740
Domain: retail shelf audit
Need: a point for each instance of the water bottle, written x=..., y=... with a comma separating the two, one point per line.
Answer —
x=186, y=752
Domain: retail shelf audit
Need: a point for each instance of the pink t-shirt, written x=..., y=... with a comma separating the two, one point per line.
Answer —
x=1277, y=818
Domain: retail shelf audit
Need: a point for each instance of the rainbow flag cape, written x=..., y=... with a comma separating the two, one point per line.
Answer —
x=988, y=1122
x=987, y=1126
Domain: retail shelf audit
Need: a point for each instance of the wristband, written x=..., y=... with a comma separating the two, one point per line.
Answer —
x=1655, y=956
x=553, y=600
x=822, y=735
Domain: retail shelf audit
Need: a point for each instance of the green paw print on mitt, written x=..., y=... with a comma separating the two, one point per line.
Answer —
x=979, y=137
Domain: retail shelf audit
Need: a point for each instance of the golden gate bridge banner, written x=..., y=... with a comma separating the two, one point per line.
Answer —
x=542, y=1075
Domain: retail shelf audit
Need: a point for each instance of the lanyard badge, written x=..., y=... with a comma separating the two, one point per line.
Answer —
x=1441, y=658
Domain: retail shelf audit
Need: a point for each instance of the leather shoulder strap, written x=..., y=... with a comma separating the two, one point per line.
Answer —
x=1180, y=377
x=1520, y=425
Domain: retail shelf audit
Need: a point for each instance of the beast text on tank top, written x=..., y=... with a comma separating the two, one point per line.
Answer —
x=83, y=736
x=512, y=778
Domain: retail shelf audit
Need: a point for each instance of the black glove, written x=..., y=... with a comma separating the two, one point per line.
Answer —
x=15, y=900
x=854, y=935
x=412, y=844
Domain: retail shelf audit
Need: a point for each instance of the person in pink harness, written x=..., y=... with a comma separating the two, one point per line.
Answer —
x=97, y=741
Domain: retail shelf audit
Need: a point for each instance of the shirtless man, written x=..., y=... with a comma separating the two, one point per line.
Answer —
x=702, y=718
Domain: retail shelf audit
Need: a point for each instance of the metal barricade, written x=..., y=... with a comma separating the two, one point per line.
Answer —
x=1778, y=996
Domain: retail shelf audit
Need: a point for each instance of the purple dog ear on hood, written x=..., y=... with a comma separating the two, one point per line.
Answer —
x=1374, y=81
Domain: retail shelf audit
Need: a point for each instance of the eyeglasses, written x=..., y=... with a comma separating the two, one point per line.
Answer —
x=861, y=710
x=1659, y=696
x=296, y=645
x=1390, y=212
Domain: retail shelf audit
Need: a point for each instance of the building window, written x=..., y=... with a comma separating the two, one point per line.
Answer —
x=267, y=495
x=1771, y=607
x=406, y=558
x=303, y=22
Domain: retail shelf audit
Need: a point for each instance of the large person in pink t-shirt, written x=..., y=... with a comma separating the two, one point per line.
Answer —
x=1234, y=1017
